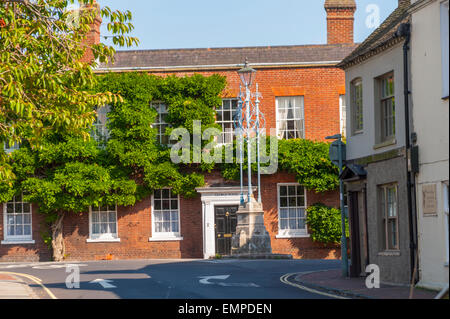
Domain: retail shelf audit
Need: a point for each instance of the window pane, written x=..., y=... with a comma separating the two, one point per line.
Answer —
x=112, y=228
x=292, y=213
x=112, y=217
x=165, y=193
x=18, y=219
x=283, y=202
x=166, y=204
x=166, y=227
x=166, y=216
x=103, y=228
x=11, y=231
x=174, y=215
x=292, y=224
x=158, y=216
x=95, y=228
x=27, y=218
x=157, y=193
x=300, y=201
x=158, y=227
x=26, y=208
x=95, y=217
x=283, y=223
x=19, y=230
x=10, y=208
x=283, y=213
x=103, y=217
x=301, y=224
x=158, y=204
x=175, y=227
x=292, y=202
x=292, y=190
x=283, y=190
x=27, y=230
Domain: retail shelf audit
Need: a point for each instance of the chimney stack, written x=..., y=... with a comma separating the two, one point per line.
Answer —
x=340, y=21
x=93, y=37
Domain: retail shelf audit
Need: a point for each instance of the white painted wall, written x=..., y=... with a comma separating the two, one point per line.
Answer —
x=431, y=123
x=362, y=144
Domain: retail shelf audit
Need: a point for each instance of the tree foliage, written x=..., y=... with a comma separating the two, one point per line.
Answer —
x=44, y=83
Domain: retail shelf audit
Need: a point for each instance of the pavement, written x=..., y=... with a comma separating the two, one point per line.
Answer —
x=13, y=287
x=332, y=282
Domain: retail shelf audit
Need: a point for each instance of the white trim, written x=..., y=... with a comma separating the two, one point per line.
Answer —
x=165, y=236
x=444, y=25
x=27, y=239
x=291, y=233
x=105, y=237
x=103, y=240
x=211, y=197
x=17, y=242
x=225, y=66
x=302, y=96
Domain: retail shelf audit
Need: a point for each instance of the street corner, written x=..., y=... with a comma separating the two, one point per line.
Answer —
x=14, y=287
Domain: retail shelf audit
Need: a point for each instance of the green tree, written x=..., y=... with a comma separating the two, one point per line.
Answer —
x=45, y=84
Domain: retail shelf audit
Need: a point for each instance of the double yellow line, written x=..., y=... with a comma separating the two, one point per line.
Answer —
x=34, y=279
x=284, y=279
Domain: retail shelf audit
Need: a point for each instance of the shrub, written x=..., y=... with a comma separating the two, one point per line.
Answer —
x=325, y=224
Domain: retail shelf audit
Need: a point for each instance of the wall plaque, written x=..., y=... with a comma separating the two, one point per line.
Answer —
x=429, y=199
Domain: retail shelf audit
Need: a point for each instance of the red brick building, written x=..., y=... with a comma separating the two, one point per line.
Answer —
x=302, y=91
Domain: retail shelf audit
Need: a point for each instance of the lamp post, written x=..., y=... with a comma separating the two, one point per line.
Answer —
x=250, y=236
x=247, y=74
x=340, y=151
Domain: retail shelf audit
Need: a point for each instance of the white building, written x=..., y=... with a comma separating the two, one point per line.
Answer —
x=430, y=94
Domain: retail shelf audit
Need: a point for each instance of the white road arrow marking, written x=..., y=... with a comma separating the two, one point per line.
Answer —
x=238, y=284
x=205, y=279
x=105, y=283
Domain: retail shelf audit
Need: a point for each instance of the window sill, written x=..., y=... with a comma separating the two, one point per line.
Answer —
x=292, y=235
x=389, y=253
x=103, y=240
x=165, y=238
x=17, y=242
x=389, y=142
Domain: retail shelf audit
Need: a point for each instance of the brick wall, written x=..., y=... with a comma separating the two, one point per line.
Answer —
x=134, y=230
x=320, y=86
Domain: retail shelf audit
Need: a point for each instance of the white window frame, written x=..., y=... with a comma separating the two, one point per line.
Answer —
x=383, y=99
x=291, y=233
x=11, y=149
x=165, y=236
x=302, y=114
x=107, y=237
x=445, y=189
x=222, y=122
x=385, y=218
x=14, y=239
x=159, y=122
x=343, y=114
x=100, y=125
x=354, y=100
x=444, y=11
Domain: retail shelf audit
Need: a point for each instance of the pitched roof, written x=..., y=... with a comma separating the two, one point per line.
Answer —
x=216, y=58
x=382, y=37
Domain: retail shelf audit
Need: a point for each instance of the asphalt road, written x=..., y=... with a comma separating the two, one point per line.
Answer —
x=170, y=279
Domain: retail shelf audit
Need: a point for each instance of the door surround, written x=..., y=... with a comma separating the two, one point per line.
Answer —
x=211, y=197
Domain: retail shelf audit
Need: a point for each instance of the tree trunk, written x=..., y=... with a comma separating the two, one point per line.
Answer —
x=59, y=248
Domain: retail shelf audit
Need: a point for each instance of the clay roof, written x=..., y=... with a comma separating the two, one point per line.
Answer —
x=383, y=37
x=228, y=57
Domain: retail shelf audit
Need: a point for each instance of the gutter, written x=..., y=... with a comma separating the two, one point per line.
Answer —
x=218, y=66
x=404, y=30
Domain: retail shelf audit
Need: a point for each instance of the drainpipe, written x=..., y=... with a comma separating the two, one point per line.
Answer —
x=404, y=30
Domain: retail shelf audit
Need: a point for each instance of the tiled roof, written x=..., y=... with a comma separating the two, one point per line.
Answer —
x=227, y=57
x=382, y=36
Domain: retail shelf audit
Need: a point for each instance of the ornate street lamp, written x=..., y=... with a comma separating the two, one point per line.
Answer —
x=251, y=235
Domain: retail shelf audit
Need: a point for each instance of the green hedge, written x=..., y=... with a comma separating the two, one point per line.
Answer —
x=324, y=223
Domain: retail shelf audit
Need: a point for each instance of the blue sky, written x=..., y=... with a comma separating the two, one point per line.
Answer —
x=168, y=24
